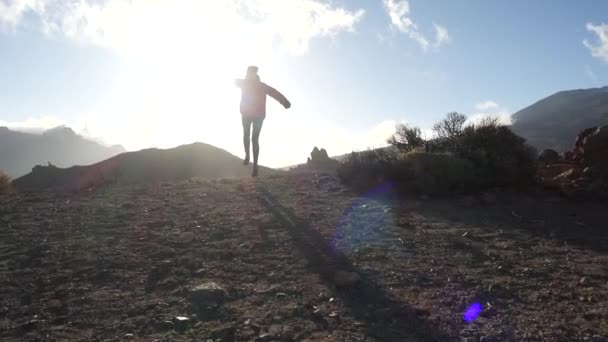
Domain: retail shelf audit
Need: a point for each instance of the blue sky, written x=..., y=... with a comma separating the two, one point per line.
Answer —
x=158, y=73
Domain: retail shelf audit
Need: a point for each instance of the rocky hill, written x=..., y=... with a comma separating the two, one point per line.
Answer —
x=145, y=166
x=61, y=146
x=553, y=122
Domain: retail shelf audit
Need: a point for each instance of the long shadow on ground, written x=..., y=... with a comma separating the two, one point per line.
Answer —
x=384, y=318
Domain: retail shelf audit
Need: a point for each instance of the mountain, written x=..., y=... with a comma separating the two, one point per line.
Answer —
x=555, y=121
x=60, y=146
x=150, y=165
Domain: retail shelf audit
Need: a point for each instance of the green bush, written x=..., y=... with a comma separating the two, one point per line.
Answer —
x=362, y=170
x=420, y=172
x=5, y=183
x=461, y=158
x=500, y=157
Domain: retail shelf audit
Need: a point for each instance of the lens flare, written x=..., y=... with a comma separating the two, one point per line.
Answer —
x=472, y=312
x=355, y=226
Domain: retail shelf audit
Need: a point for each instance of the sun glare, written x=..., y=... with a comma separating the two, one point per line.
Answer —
x=183, y=67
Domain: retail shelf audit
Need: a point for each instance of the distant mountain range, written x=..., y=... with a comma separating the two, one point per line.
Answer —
x=555, y=121
x=60, y=146
x=145, y=166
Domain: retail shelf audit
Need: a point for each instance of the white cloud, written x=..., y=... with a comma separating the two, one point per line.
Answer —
x=141, y=24
x=399, y=13
x=486, y=105
x=12, y=11
x=441, y=35
x=590, y=73
x=490, y=109
x=598, y=49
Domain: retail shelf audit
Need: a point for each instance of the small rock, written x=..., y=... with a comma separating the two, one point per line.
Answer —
x=225, y=333
x=470, y=339
x=275, y=329
x=165, y=325
x=490, y=339
x=584, y=281
x=247, y=333
x=266, y=338
x=26, y=299
x=54, y=305
x=128, y=336
x=207, y=293
x=27, y=326
x=346, y=279
x=181, y=323
x=281, y=295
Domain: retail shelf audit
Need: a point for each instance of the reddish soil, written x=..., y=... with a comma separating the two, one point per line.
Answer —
x=118, y=263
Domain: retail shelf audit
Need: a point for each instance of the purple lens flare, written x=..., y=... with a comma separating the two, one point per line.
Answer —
x=472, y=312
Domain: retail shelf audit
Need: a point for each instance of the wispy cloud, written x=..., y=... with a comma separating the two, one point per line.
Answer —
x=12, y=11
x=124, y=25
x=599, y=48
x=400, y=16
x=590, y=73
x=33, y=124
x=485, y=105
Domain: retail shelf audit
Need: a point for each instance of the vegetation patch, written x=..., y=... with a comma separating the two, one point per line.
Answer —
x=461, y=157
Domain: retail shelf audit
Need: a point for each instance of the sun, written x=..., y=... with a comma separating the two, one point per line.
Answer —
x=179, y=64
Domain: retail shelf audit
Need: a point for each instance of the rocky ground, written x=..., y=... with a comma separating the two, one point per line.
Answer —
x=298, y=257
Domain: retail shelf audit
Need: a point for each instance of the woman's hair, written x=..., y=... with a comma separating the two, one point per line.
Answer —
x=252, y=73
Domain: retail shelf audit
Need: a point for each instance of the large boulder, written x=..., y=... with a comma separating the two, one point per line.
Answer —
x=595, y=149
x=580, y=138
x=319, y=156
x=319, y=160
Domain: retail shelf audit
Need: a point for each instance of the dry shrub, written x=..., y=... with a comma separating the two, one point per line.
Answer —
x=363, y=170
x=436, y=173
x=501, y=158
x=420, y=172
x=6, y=185
x=460, y=159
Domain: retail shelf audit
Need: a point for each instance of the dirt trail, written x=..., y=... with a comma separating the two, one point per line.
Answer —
x=118, y=264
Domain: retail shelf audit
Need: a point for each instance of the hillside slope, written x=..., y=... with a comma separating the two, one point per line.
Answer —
x=555, y=121
x=20, y=152
x=124, y=263
x=149, y=165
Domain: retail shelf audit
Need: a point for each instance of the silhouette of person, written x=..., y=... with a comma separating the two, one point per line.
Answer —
x=253, y=110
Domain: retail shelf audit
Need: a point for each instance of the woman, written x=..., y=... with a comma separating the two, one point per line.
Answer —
x=253, y=110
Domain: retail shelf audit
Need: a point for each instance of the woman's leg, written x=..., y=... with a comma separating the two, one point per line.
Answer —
x=255, y=139
x=246, y=134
